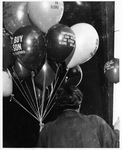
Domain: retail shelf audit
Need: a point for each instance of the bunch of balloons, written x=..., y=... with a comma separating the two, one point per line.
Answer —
x=37, y=45
x=24, y=37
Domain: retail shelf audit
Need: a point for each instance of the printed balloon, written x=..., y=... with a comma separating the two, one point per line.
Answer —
x=60, y=42
x=45, y=14
x=87, y=42
x=111, y=70
x=15, y=16
x=29, y=47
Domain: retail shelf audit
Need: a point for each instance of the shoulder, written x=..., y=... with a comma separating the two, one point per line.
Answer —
x=92, y=117
x=96, y=119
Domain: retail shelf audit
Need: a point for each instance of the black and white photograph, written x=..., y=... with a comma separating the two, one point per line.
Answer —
x=61, y=74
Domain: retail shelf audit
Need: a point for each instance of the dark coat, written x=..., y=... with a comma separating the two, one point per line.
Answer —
x=74, y=130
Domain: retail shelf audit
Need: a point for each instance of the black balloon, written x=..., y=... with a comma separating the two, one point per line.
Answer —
x=39, y=93
x=111, y=70
x=20, y=71
x=29, y=47
x=47, y=73
x=60, y=41
x=7, y=50
x=74, y=76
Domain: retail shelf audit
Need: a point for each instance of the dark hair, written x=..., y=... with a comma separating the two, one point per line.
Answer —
x=69, y=97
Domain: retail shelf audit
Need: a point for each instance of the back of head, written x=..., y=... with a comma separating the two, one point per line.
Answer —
x=69, y=98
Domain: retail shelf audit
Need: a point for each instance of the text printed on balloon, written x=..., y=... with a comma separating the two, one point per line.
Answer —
x=17, y=45
x=96, y=47
x=67, y=39
x=108, y=65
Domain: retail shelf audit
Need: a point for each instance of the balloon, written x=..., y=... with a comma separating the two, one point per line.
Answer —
x=45, y=14
x=74, y=76
x=46, y=73
x=111, y=70
x=60, y=41
x=7, y=50
x=7, y=84
x=20, y=71
x=39, y=93
x=87, y=42
x=29, y=47
x=15, y=15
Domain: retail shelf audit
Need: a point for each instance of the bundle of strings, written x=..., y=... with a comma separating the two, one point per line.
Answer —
x=69, y=97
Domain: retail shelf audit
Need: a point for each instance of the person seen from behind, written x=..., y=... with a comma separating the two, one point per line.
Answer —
x=73, y=129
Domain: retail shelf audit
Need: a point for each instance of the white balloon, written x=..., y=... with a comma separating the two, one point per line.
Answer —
x=87, y=42
x=7, y=84
x=45, y=14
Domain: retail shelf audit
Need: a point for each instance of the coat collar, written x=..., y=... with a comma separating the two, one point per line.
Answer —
x=69, y=113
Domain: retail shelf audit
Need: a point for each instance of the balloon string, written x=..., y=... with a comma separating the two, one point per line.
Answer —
x=59, y=84
x=20, y=90
x=60, y=76
x=24, y=96
x=55, y=82
x=24, y=108
x=47, y=106
x=57, y=73
x=34, y=88
x=52, y=87
x=31, y=97
x=51, y=98
x=23, y=93
x=32, y=101
x=48, y=91
x=43, y=94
